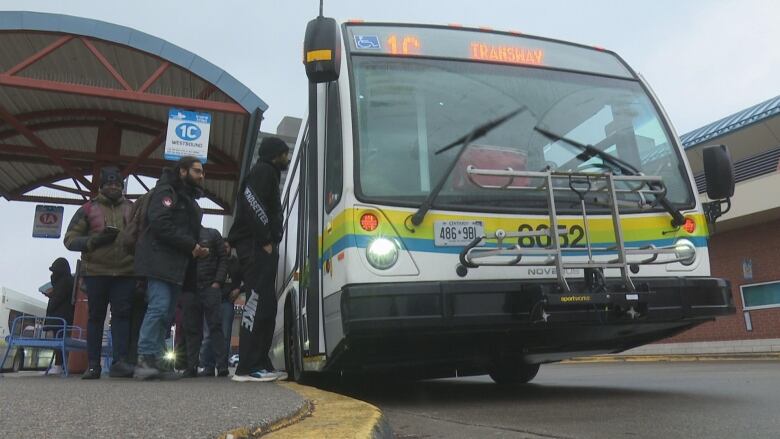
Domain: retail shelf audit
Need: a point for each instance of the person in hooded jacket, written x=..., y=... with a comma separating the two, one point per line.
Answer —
x=204, y=304
x=255, y=235
x=165, y=254
x=107, y=270
x=60, y=304
x=231, y=289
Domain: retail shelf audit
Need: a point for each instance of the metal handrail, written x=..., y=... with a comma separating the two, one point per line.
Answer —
x=581, y=184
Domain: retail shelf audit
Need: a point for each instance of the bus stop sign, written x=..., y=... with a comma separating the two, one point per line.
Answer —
x=48, y=221
x=188, y=135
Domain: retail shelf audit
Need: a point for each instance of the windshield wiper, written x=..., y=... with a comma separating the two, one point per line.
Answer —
x=474, y=134
x=589, y=151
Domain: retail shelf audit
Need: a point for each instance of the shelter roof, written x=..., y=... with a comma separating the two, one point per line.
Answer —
x=77, y=94
x=755, y=114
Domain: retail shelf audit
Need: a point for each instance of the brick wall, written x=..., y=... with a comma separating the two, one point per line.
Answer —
x=761, y=243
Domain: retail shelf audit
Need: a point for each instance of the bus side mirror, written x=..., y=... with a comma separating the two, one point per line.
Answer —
x=719, y=175
x=322, y=50
x=718, y=172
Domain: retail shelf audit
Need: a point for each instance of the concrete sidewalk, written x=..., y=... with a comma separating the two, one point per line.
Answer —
x=38, y=406
x=759, y=349
x=757, y=346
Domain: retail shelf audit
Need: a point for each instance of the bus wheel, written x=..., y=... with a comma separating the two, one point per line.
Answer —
x=292, y=347
x=18, y=361
x=514, y=374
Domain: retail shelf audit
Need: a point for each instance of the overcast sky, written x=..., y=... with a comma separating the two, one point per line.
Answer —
x=704, y=59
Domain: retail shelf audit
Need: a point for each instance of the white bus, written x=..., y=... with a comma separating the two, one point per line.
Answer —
x=468, y=201
x=12, y=305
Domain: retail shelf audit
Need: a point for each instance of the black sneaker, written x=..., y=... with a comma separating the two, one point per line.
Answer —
x=166, y=372
x=206, y=372
x=190, y=373
x=93, y=373
x=222, y=373
x=146, y=369
x=121, y=369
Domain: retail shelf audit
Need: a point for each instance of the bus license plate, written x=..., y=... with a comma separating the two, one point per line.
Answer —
x=456, y=233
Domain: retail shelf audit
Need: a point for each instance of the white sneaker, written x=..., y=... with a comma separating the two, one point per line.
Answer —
x=260, y=376
x=280, y=375
x=55, y=370
x=240, y=378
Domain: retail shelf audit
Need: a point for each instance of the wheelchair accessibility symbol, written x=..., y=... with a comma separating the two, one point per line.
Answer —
x=367, y=42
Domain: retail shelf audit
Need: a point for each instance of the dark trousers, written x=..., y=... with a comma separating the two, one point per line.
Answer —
x=136, y=319
x=207, y=359
x=205, y=304
x=52, y=327
x=118, y=291
x=256, y=332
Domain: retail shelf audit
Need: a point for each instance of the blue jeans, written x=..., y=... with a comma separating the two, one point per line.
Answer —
x=161, y=300
x=206, y=353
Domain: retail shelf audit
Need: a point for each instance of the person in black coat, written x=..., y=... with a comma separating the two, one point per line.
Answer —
x=165, y=254
x=231, y=289
x=60, y=304
x=204, y=304
x=255, y=235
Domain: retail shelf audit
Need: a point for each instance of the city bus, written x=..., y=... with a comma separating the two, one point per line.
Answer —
x=14, y=304
x=470, y=201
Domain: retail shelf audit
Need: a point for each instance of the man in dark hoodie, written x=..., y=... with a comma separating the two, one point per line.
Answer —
x=255, y=235
x=165, y=254
x=60, y=304
x=107, y=270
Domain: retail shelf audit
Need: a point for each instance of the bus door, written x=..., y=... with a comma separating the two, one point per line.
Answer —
x=311, y=224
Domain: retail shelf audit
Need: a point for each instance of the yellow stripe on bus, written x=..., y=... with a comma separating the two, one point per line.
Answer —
x=391, y=223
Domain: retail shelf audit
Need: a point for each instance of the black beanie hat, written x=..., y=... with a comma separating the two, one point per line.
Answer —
x=111, y=174
x=270, y=148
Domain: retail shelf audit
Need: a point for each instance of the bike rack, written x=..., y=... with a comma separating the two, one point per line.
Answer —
x=582, y=184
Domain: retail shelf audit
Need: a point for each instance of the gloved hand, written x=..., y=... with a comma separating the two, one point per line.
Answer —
x=107, y=236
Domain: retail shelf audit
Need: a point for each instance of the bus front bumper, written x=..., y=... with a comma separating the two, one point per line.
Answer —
x=468, y=320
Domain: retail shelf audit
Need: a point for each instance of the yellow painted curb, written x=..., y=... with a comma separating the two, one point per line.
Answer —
x=247, y=433
x=324, y=415
x=672, y=358
x=334, y=416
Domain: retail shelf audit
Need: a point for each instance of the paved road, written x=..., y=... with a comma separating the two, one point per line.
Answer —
x=37, y=406
x=729, y=399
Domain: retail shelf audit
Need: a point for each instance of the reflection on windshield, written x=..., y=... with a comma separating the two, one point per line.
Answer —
x=409, y=108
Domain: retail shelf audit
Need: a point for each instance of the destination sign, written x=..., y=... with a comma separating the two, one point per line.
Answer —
x=483, y=46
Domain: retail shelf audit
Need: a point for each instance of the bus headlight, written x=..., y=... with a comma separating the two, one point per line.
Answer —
x=382, y=253
x=685, y=251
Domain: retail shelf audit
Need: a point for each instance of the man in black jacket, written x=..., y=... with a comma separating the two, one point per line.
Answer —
x=165, y=254
x=255, y=236
x=205, y=304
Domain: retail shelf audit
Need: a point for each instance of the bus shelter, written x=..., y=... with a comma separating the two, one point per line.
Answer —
x=77, y=94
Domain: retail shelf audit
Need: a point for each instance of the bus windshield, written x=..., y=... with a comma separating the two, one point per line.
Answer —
x=408, y=108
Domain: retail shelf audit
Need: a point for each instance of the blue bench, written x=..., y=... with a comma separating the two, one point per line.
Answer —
x=67, y=338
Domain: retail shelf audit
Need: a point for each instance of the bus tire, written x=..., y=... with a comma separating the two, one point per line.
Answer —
x=293, y=361
x=18, y=363
x=514, y=374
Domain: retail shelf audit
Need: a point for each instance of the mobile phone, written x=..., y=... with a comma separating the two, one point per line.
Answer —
x=111, y=229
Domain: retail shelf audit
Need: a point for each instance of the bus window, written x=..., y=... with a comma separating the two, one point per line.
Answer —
x=333, y=149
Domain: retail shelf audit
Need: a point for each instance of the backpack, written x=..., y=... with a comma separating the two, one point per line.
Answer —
x=136, y=224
